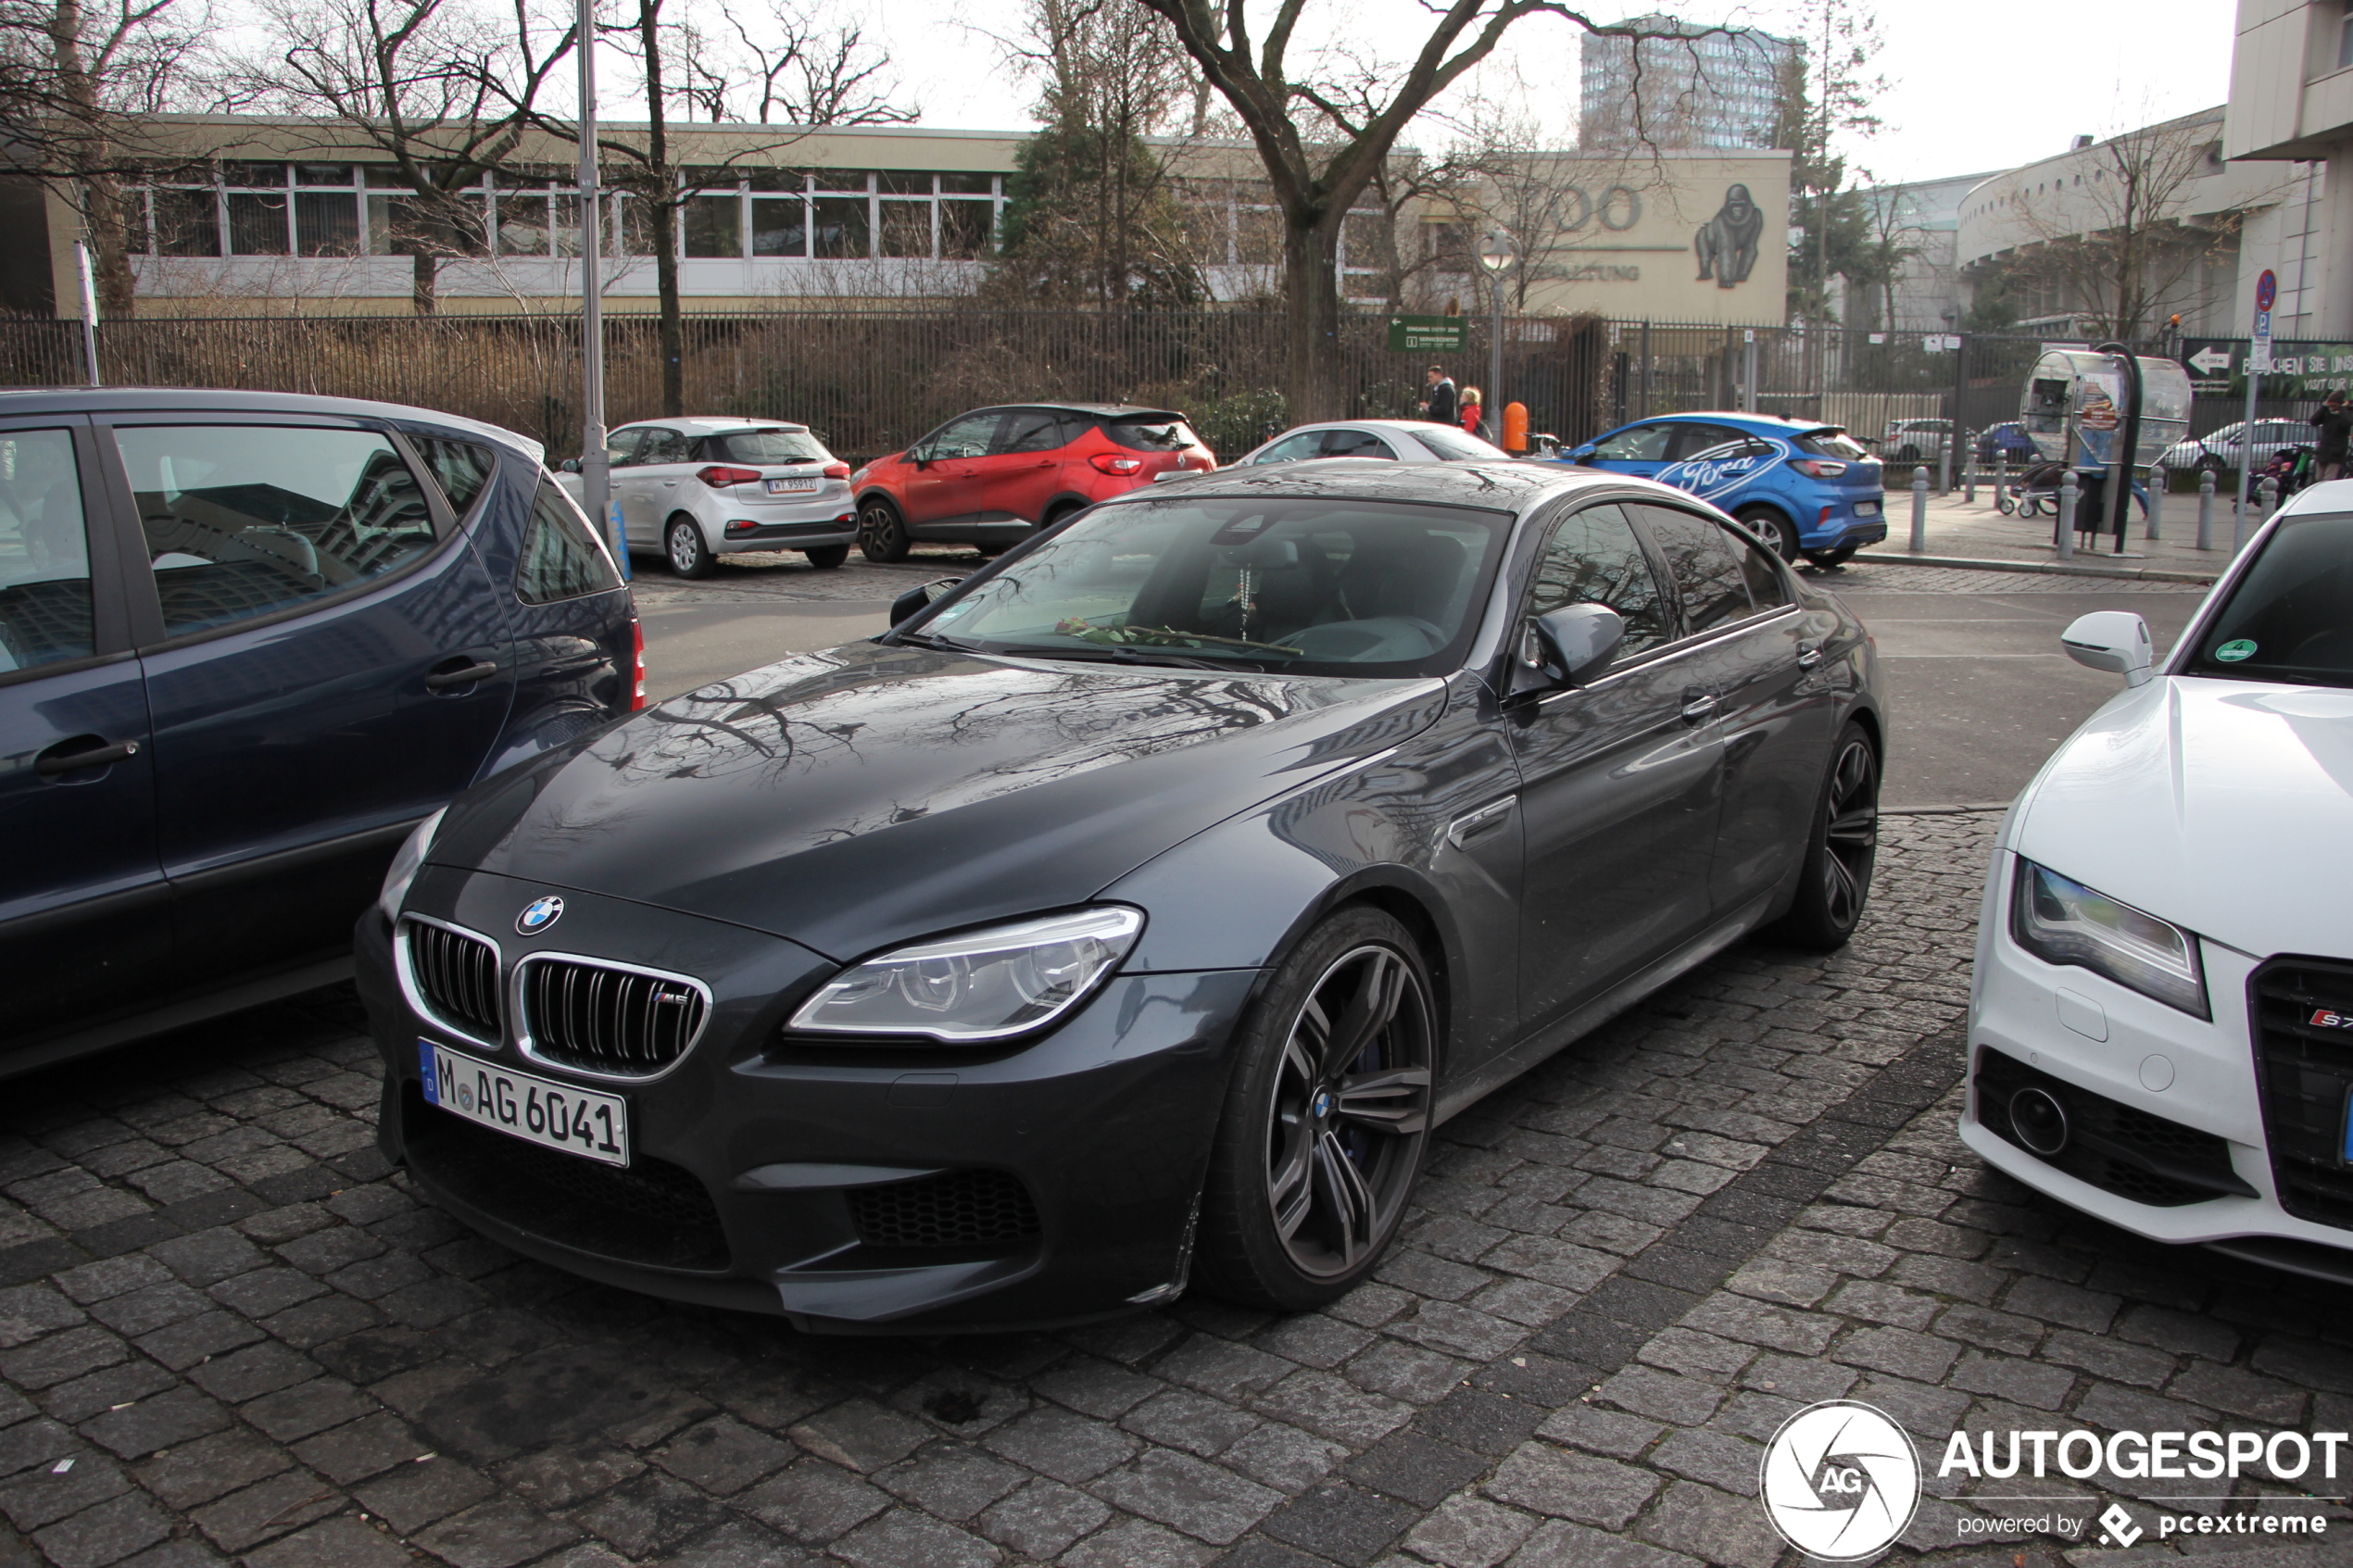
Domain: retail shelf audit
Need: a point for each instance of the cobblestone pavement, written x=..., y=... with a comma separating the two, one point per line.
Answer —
x=226, y=1332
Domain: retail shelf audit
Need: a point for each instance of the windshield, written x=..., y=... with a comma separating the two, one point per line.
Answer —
x=1832, y=444
x=1304, y=586
x=768, y=447
x=1456, y=447
x=2290, y=616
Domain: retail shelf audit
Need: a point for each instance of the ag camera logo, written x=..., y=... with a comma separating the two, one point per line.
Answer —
x=1840, y=1481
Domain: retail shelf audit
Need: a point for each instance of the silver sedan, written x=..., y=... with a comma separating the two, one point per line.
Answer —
x=1405, y=441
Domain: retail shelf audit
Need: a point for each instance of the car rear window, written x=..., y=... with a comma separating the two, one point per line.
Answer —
x=1456, y=445
x=768, y=447
x=2290, y=616
x=1830, y=444
x=1151, y=433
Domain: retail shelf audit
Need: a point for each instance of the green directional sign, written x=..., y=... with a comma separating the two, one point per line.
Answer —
x=1428, y=335
x=2299, y=370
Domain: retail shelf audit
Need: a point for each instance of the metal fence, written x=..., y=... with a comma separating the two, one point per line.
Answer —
x=871, y=381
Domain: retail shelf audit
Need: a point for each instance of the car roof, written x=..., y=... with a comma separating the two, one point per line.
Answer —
x=1101, y=410
x=2328, y=495
x=713, y=424
x=1731, y=416
x=1502, y=484
x=144, y=399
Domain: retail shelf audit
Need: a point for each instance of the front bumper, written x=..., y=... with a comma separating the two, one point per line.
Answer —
x=2165, y=1117
x=750, y=1157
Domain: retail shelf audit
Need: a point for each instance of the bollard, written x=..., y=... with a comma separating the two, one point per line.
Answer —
x=1969, y=478
x=2206, y=509
x=2158, y=480
x=2002, y=481
x=2267, y=500
x=2070, y=492
x=1919, y=510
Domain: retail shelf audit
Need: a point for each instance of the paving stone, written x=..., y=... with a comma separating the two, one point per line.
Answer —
x=1284, y=1457
x=1043, y=1519
x=2020, y=1382
x=1221, y=1369
x=1097, y=1387
x=41, y=1496
x=813, y=1500
x=171, y=1417
x=1603, y=1431
x=1682, y=1401
x=556, y=1478
x=497, y=1533
x=1918, y=1356
x=1717, y=1525
x=952, y=1483
x=412, y=1494
x=1558, y=1544
x=902, y=1540
x=1468, y=1532
x=1484, y=1423
x=722, y=1455
x=1325, y=1402
x=1133, y=1543
x=193, y=1473
x=283, y=1504
x=1407, y=1371
x=1056, y=1443
x=1554, y=1481
x=1421, y=1471
x=1716, y=1458
x=649, y=1515
x=1189, y=1495
x=1342, y=1524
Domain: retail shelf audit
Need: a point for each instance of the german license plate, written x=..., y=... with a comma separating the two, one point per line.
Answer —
x=535, y=1109
x=791, y=486
x=1867, y=508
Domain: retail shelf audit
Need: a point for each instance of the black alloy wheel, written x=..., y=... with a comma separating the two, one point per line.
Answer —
x=1327, y=1119
x=689, y=557
x=882, y=534
x=824, y=557
x=1835, y=882
x=1779, y=534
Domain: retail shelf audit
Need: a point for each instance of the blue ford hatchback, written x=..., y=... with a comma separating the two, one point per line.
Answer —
x=1805, y=489
x=248, y=641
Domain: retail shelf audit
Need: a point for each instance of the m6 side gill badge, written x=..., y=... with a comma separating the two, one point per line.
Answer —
x=538, y=915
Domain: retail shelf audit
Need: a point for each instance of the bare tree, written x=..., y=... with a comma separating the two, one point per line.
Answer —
x=794, y=71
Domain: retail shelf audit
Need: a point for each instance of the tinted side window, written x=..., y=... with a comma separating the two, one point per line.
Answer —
x=1355, y=444
x=44, y=552
x=244, y=519
x=461, y=468
x=1593, y=558
x=665, y=446
x=1704, y=566
x=1295, y=448
x=1031, y=429
x=561, y=560
x=1767, y=589
x=1642, y=444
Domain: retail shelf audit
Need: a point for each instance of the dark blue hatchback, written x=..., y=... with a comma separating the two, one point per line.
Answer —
x=1805, y=489
x=248, y=640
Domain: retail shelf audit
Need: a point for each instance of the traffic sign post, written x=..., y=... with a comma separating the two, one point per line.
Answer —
x=2258, y=359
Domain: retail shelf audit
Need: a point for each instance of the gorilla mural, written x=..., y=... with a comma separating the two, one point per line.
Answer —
x=1726, y=242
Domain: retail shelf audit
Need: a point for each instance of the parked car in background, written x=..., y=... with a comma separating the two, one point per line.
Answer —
x=2160, y=1026
x=2222, y=450
x=994, y=476
x=1806, y=489
x=1912, y=441
x=2009, y=437
x=1130, y=915
x=248, y=641
x=696, y=489
x=1407, y=441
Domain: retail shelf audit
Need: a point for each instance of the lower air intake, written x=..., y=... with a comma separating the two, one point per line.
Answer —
x=953, y=1209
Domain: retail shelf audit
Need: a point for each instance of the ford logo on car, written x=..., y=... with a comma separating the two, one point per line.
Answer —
x=538, y=915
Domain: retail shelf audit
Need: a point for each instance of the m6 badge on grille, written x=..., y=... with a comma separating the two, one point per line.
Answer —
x=537, y=1109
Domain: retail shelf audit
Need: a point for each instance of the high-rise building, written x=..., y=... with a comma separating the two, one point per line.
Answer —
x=1683, y=88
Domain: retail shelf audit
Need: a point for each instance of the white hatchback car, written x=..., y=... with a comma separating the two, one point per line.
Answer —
x=696, y=489
x=1405, y=441
x=2161, y=1018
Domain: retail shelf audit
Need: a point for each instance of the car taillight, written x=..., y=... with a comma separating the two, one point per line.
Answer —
x=1817, y=467
x=719, y=476
x=837, y=470
x=1111, y=462
x=636, y=665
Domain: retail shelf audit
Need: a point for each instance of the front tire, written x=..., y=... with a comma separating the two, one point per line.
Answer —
x=683, y=543
x=1325, y=1119
x=882, y=532
x=824, y=557
x=1777, y=533
x=1841, y=848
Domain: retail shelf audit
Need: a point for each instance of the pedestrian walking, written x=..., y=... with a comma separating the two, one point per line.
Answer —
x=2335, y=422
x=1438, y=403
x=1474, y=410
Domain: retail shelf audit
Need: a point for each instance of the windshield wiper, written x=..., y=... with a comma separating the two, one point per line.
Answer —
x=930, y=640
x=1120, y=654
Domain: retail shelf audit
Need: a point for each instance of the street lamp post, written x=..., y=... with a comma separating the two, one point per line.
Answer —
x=1496, y=255
x=596, y=467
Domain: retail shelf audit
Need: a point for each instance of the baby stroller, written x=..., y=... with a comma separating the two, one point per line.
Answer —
x=2035, y=493
x=2293, y=467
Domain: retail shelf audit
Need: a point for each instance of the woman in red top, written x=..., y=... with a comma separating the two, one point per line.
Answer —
x=1473, y=407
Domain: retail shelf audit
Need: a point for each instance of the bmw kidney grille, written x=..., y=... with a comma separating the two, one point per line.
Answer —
x=605, y=1019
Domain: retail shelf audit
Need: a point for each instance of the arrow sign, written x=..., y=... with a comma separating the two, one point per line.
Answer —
x=2210, y=361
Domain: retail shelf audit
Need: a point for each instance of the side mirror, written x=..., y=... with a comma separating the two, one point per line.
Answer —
x=2113, y=640
x=1573, y=645
x=1581, y=453
x=914, y=600
x=570, y=464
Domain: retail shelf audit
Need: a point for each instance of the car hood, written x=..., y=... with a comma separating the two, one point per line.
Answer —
x=2222, y=805
x=868, y=795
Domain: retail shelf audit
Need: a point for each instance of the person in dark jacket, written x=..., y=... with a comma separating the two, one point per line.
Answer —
x=1437, y=404
x=2335, y=422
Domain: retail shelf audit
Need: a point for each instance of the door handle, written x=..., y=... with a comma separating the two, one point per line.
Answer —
x=462, y=676
x=1698, y=707
x=1043, y=463
x=1808, y=654
x=58, y=759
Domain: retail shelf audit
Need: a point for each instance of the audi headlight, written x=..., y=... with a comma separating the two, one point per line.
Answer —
x=406, y=864
x=2064, y=922
x=987, y=985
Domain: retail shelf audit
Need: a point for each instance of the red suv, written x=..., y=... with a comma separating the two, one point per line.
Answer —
x=992, y=477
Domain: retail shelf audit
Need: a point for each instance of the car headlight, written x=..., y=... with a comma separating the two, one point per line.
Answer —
x=987, y=985
x=2062, y=922
x=406, y=864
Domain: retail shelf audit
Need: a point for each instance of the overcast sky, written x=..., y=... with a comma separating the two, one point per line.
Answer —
x=1973, y=87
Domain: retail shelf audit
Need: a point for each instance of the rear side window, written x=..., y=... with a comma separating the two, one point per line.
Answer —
x=1355, y=444
x=462, y=468
x=242, y=521
x=768, y=447
x=1692, y=440
x=44, y=552
x=1838, y=443
x=1705, y=564
x=560, y=558
x=1037, y=429
x=1152, y=435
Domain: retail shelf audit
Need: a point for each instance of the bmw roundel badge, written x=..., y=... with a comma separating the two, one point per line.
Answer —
x=538, y=915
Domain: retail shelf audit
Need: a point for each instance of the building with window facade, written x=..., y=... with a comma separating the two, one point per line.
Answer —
x=2291, y=111
x=1687, y=88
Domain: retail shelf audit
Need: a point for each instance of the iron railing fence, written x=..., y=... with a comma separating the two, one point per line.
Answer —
x=872, y=382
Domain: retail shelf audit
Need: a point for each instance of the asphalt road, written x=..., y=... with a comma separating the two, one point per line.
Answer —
x=1979, y=691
